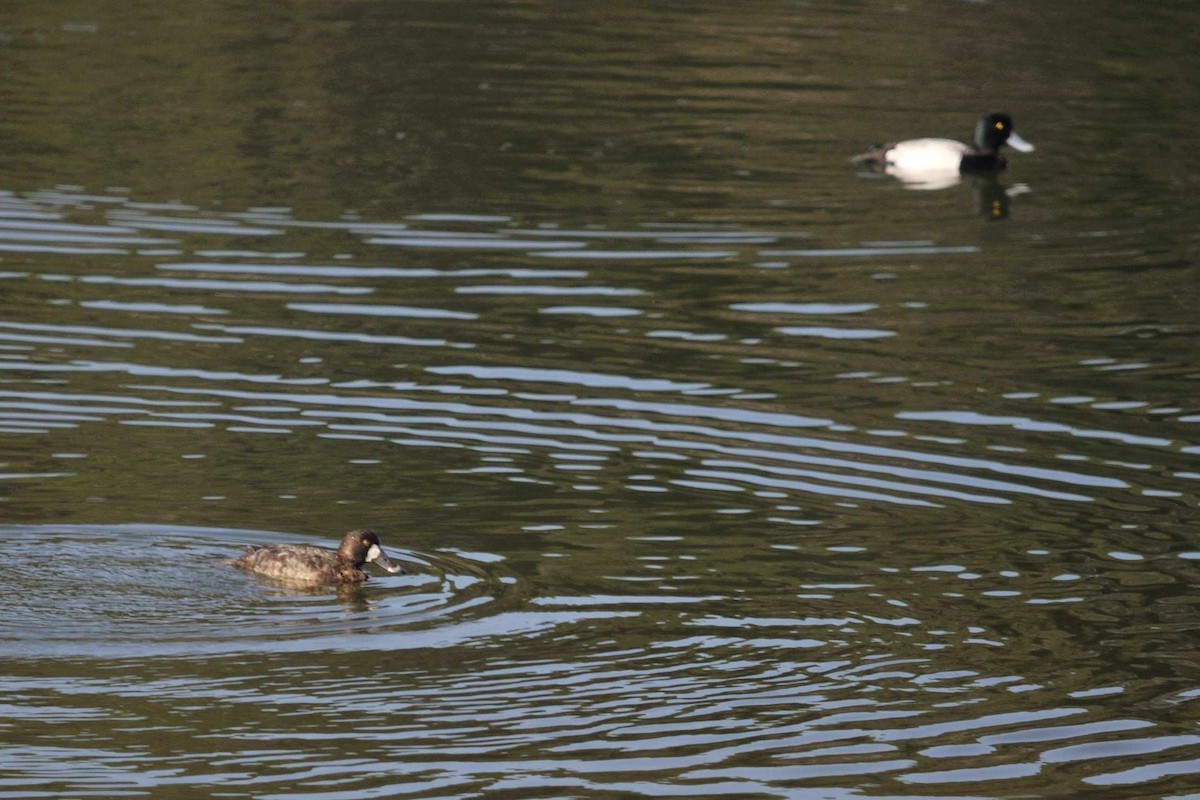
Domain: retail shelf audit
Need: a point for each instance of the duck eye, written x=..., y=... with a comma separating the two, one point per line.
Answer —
x=999, y=126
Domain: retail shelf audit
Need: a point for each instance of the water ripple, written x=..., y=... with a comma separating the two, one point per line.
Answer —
x=154, y=591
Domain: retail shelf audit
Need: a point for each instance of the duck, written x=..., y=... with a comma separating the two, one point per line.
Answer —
x=307, y=565
x=936, y=163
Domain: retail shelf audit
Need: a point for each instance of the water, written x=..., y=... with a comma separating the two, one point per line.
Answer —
x=719, y=468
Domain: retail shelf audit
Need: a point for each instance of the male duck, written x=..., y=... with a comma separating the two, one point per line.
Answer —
x=305, y=565
x=935, y=163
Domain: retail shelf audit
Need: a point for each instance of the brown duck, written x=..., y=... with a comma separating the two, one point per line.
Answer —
x=306, y=565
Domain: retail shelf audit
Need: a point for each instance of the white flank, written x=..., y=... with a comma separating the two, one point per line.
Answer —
x=927, y=155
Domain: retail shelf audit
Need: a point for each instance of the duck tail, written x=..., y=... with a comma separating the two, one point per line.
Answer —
x=873, y=156
x=240, y=561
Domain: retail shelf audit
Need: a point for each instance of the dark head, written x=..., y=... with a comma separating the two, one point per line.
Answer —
x=362, y=546
x=996, y=129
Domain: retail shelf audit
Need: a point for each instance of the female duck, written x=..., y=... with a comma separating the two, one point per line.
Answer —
x=933, y=161
x=305, y=565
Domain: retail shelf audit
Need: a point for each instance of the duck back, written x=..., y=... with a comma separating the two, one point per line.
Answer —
x=299, y=564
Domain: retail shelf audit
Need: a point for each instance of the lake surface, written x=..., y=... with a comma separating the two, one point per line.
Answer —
x=720, y=467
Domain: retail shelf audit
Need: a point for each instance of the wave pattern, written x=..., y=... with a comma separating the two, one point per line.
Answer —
x=684, y=523
x=412, y=689
x=732, y=432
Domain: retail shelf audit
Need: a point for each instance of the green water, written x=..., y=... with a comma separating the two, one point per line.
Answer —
x=720, y=467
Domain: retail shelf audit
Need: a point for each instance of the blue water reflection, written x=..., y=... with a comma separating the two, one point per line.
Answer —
x=718, y=468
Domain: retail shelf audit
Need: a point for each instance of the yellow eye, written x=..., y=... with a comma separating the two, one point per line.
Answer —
x=999, y=126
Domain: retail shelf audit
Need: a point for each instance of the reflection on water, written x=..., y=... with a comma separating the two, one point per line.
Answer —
x=780, y=570
x=149, y=591
x=719, y=470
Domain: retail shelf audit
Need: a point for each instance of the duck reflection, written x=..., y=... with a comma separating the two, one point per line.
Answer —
x=352, y=598
x=992, y=198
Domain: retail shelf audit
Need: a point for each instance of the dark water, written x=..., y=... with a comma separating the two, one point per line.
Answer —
x=719, y=468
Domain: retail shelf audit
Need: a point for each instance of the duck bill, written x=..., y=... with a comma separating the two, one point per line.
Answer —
x=376, y=556
x=1017, y=143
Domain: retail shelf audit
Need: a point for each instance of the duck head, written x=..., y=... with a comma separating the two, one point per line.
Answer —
x=362, y=546
x=996, y=129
